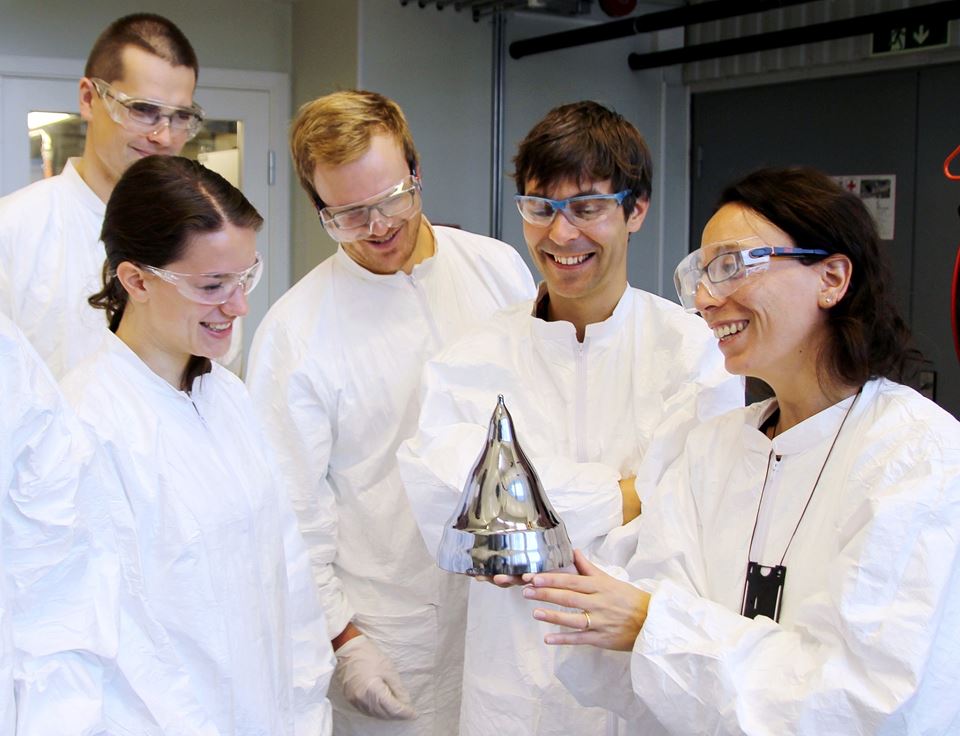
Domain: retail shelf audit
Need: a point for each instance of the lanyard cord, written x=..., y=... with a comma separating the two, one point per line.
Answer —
x=812, y=490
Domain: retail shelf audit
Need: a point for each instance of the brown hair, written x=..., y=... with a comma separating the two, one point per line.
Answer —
x=336, y=129
x=868, y=337
x=152, y=33
x=585, y=141
x=155, y=208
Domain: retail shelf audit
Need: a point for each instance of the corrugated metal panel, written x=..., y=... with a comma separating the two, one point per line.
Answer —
x=828, y=53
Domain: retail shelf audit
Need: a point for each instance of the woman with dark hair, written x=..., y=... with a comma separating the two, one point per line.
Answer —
x=845, y=479
x=225, y=570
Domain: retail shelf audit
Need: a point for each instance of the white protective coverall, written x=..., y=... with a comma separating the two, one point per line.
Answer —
x=225, y=571
x=79, y=651
x=51, y=260
x=59, y=577
x=334, y=370
x=586, y=414
x=870, y=622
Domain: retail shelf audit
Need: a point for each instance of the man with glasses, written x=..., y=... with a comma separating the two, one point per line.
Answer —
x=603, y=382
x=334, y=369
x=136, y=97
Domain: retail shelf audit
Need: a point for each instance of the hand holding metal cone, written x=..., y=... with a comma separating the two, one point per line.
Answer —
x=504, y=523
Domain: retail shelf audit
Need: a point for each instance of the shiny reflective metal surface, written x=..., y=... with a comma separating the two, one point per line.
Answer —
x=504, y=523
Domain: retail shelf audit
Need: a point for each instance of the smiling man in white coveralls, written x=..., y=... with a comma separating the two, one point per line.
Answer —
x=136, y=97
x=598, y=376
x=335, y=368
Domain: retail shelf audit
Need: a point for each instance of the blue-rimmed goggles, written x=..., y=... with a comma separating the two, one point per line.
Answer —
x=723, y=267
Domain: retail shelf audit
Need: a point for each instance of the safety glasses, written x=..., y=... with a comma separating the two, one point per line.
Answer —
x=580, y=211
x=399, y=202
x=149, y=116
x=723, y=267
x=211, y=289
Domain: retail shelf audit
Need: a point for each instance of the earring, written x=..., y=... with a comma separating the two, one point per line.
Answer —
x=827, y=300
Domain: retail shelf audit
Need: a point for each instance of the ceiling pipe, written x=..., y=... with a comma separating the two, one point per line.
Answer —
x=685, y=16
x=947, y=10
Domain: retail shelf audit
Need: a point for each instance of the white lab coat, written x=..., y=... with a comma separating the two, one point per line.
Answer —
x=334, y=370
x=59, y=574
x=224, y=569
x=51, y=260
x=586, y=415
x=78, y=647
x=870, y=623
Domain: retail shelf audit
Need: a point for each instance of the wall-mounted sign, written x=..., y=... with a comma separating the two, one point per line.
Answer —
x=917, y=36
x=879, y=194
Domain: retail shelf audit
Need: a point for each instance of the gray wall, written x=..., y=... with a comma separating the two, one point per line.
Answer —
x=325, y=56
x=436, y=65
x=254, y=34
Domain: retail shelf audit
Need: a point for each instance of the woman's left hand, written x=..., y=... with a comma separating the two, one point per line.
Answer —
x=611, y=612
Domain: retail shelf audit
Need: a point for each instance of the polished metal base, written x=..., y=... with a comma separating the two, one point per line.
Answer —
x=504, y=553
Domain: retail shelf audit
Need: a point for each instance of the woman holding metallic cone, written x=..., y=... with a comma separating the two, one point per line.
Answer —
x=797, y=570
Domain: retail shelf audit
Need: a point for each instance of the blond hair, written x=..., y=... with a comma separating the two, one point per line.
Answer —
x=336, y=129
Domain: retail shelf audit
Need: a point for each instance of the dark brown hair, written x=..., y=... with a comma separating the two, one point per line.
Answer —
x=152, y=33
x=585, y=141
x=868, y=337
x=154, y=210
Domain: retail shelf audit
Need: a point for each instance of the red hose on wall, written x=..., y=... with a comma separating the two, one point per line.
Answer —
x=955, y=288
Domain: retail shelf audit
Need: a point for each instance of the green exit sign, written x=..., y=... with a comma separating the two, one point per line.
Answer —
x=913, y=37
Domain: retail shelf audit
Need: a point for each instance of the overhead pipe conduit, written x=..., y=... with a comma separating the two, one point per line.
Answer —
x=685, y=16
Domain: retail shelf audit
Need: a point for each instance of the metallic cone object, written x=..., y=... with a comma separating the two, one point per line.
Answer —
x=504, y=523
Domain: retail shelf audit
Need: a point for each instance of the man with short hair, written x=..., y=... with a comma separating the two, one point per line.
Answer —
x=603, y=382
x=136, y=97
x=334, y=370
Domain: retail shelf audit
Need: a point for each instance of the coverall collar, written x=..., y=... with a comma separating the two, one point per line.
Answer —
x=85, y=195
x=398, y=279
x=561, y=330
x=819, y=428
x=144, y=377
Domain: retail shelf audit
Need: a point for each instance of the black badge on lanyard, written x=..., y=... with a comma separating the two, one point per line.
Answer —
x=763, y=592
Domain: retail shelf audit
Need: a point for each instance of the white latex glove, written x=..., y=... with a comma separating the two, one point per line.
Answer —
x=370, y=681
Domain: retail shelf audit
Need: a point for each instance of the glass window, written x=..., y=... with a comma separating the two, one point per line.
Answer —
x=56, y=136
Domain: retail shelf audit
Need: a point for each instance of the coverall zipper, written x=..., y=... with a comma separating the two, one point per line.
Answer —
x=425, y=307
x=763, y=522
x=580, y=404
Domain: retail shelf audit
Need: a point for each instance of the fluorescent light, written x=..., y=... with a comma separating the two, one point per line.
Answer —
x=41, y=119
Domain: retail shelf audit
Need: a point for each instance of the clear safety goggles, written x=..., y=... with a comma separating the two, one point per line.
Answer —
x=723, y=267
x=399, y=202
x=211, y=289
x=149, y=116
x=581, y=211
